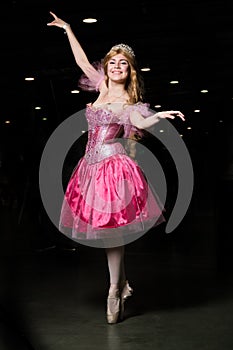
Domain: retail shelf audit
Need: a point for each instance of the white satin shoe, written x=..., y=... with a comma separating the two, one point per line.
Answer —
x=113, y=307
x=126, y=292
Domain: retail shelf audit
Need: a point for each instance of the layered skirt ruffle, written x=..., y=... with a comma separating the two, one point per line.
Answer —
x=109, y=203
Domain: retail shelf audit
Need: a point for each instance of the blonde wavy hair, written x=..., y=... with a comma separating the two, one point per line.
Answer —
x=134, y=83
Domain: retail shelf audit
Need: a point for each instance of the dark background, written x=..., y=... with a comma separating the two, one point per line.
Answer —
x=189, y=41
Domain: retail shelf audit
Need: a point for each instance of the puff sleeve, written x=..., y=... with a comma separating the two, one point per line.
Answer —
x=129, y=129
x=96, y=76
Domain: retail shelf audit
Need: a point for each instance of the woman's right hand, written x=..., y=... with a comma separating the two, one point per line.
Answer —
x=58, y=22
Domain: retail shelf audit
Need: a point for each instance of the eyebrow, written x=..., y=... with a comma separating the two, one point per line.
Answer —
x=121, y=59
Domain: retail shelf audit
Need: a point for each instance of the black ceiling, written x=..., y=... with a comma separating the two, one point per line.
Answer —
x=190, y=41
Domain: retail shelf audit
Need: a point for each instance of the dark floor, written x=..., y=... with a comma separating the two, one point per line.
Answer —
x=53, y=292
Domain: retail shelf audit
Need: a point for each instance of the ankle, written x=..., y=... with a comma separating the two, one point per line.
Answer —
x=114, y=289
x=123, y=283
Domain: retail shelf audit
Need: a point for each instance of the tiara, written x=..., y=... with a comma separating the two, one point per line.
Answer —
x=124, y=47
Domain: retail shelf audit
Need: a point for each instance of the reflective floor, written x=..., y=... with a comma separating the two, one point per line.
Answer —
x=53, y=291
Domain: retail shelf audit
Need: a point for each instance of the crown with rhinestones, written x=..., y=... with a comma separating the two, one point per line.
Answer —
x=124, y=47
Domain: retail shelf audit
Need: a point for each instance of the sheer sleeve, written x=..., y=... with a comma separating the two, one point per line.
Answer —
x=92, y=80
x=131, y=130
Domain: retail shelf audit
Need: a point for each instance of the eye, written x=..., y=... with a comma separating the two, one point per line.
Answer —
x=125, y=63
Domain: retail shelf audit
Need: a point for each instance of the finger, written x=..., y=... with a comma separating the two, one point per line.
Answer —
x=176, y=112
x=53, y=14
x=169, y=116
x=179, y=114
x=165, y=115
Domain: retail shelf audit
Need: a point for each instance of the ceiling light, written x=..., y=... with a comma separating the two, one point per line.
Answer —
x=75, y=91
x=174, y=82
x=204, y=91
x=197, y=110
x=158, y=106
x=37, y=107
x=145, y=69
x=89, y=20
x=29, y=79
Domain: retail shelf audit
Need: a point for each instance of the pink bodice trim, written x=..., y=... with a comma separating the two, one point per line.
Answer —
x=105, y=129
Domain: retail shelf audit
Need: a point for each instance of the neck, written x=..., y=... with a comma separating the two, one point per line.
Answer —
x=115, y=88
x=117, y=96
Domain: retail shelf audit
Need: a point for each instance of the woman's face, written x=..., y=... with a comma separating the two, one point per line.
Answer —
x=118, y=68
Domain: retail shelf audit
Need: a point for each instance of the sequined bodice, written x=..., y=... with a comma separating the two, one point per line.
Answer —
x=105, y=127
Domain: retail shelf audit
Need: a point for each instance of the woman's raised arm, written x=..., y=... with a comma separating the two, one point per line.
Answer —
x=78, y=52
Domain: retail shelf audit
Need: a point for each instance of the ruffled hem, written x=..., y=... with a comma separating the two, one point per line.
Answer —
x=111, y=237
x=109, y=202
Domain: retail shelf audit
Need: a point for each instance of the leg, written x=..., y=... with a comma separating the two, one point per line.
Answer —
x=119, y=289
x=115, y=257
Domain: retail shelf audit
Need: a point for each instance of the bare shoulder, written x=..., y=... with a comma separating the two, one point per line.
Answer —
x=103, y=89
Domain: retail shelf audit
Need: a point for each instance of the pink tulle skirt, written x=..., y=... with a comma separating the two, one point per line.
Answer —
x=109, y=203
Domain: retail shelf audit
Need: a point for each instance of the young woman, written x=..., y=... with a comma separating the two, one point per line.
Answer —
x=108, y=201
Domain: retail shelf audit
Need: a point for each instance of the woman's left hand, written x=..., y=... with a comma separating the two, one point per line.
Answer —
x=58, y=22
x=170, y=115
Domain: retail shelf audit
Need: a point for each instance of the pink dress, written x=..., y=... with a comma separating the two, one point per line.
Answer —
x=108, y=201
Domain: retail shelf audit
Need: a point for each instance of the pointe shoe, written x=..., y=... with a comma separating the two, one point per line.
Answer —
x=126, y=292
x=113, y=307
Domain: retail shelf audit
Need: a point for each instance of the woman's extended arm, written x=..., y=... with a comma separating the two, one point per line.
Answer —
x=143, y=123
x=78, y=52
